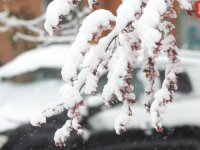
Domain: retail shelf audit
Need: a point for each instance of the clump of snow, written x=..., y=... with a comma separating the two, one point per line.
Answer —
x=126, y=13
x=186, y=4
x=148, y=33
x=63, y=133
x=92, y=3
x=186, y=114
x=56, y=9
x=150, y=36
x=59, y=8
x=69, y=96
x=118, y=72
x=139, y=25
x=91, y=84
x=91, y=28
x=121, y=61
x=164, y=95
x=124, y=118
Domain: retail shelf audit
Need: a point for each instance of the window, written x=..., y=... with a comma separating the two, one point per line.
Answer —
x=38, y=75
x=184, y=84
x=138, y=85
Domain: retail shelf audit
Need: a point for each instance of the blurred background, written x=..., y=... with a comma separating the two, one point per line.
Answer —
x=30, y=66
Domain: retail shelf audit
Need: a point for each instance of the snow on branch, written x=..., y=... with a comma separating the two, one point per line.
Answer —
x=120, y=63
x=91, y=28
x=67, y=34
x=127, y=13
x=15, y=22
x=58, y=9
x=70, y=96
x=168, y=45
x=139, y=25
x=150, y=32
x=185, y=4
x=165, y=94
x=150, y=37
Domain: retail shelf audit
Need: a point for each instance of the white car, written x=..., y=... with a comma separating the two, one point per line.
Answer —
x=33, y=79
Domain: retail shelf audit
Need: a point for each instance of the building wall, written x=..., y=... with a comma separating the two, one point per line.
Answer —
x=112, y=6
x=23, y=9
x=186, y=29
x=29, y=9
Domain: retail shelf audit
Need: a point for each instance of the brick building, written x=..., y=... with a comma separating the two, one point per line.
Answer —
x=23, y=9
x=186, y=34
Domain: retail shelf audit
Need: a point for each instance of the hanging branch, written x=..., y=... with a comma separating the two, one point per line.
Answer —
x=67, y=34
x=139, y=25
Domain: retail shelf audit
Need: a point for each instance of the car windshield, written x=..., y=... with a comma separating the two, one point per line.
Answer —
x=136, y=82
x=37, y=75
x=184, y=84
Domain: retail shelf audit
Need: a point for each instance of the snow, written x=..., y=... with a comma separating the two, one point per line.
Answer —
x=126, y=13
x=47, y=91
x=67, y=34
x=71, y=98
x=123, y=119
x=86, y=134
x=15, y=22
x=135, y=30
x=94, y=101
x=25, y=98
x=92, y=27
x=55, y=9
x=55, y=56
x=48, y=57
x=92, y=3
x=34, y=59
x=186, y=4
x=146, y=26
x=30, y=97
x=138, y=26
x=56, y=52
x=187, y=114
x=150, y=27
x=70, y=95
x=63, y=133
x=91, y=84
x=150, y=36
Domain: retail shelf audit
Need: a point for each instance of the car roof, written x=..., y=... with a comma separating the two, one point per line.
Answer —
x=53, y=56
x=42, y=57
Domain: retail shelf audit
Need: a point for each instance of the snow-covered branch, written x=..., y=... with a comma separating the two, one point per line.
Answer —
x=45, y=40
x=67, y=91
x=10, y=22
x=67, y=34
x=139, y=25
x=91, y=29
x=150, y=37
x=58, y=9
x=168, y=45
